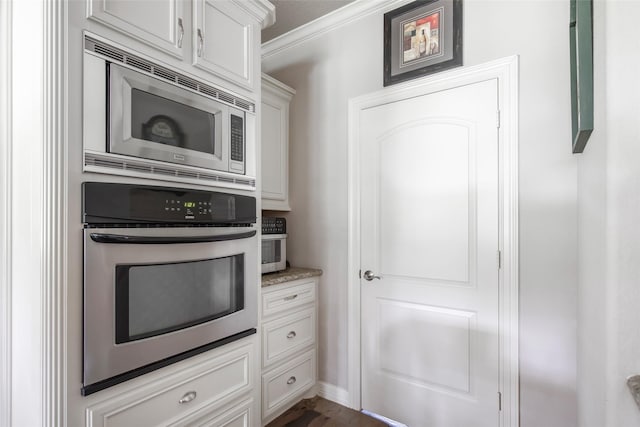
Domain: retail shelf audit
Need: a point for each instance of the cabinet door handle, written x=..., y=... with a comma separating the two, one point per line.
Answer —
x=290, y=297
x=188, y=397
x=181, y=35
x=291, y=335
x=200, y=42
x=291, y=380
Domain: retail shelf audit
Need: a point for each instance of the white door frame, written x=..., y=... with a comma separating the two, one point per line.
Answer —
x=506, y=72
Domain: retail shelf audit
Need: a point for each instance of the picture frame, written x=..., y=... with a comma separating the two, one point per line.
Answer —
x=581, y=64
x=422, y=38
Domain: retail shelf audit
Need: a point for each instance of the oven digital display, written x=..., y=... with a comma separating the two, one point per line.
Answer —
x=189, y=204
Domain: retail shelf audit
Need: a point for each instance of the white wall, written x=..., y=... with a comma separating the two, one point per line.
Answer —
x=609, y=203
x=592, y=249
x=346, y=62
x=623, y=201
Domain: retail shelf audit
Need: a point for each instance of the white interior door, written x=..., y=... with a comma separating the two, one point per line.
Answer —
x=429, y=230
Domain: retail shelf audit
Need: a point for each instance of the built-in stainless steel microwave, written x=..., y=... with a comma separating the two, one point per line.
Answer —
x=142, y=110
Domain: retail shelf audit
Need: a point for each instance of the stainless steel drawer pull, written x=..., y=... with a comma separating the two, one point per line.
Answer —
x=188, y=397
x=290, y=297
x=291, y=380
x=291, y=334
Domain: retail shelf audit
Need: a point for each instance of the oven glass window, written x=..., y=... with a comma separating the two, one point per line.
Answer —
x=156, y=299
x=162, y=120
x=271, y=251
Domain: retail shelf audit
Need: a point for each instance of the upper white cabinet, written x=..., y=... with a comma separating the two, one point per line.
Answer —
x=276, y=97
x=222, y=41
x=158, y=23
x=219, y=37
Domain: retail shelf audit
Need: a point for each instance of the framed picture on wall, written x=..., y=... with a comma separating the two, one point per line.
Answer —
x=421, y=38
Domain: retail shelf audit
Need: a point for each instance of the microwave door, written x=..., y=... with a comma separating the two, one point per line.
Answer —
x=152, y=119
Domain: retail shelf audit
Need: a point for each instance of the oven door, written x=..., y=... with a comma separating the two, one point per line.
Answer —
x=153, y=293
x=152, y=119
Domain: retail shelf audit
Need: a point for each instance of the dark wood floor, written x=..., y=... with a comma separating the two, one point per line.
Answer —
x=319, y=412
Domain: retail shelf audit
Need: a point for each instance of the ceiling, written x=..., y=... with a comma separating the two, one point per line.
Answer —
x=291, y=14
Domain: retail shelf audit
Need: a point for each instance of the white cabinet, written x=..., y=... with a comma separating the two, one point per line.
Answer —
x=223, y=36
x=159, y=24
x=215, y=391
x=289, y=325
x=276, y=97
x=222, y=41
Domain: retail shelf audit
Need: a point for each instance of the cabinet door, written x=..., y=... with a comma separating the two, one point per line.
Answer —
x=275, y=144
x=222, y=41
x=160, y=23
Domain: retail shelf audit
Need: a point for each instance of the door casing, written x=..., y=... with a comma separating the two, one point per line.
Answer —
x=506, y=72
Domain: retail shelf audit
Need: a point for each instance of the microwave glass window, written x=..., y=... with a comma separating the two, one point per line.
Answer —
x=164, y=121
x=271, y=251
x=156, y=299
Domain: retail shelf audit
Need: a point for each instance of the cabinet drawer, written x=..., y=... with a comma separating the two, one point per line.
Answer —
x=205, y=385
x=288, y=298
x=287, y=382
x=240, y=415
x=283, y=337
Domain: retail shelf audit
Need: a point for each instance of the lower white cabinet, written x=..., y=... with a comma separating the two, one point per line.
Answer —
x=289, y=351
x=285, y=384
x=239, y=415
x=214, y=391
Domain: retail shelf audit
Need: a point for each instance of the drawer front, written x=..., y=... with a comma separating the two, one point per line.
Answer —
x=240, y=415
x=210, y=383
x=283, y=337
x=285, y=299
x=282, y=385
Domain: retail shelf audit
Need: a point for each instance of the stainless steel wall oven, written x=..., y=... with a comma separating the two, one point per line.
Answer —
x=168, y=273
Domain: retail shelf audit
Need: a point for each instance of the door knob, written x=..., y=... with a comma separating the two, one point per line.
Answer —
x=369, y=276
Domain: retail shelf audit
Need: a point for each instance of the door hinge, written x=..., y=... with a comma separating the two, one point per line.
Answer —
x=499, y=259
x=499, y=401
x=498, y=119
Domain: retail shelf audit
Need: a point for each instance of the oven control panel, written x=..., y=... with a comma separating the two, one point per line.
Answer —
x=126, y=203
x=190, y=209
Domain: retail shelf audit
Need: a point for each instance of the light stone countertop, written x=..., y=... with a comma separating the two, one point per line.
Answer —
x=288, y=275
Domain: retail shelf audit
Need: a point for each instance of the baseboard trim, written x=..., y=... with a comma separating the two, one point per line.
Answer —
x=333, y=393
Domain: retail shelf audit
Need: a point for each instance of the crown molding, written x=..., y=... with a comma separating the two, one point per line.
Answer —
x=343, y=16
x=263, y=10
x=266, y=78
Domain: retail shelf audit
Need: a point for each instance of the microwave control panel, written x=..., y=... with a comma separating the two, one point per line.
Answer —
x=237, y=138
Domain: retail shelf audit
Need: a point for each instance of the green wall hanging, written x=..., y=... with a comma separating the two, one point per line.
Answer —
x=581, y=52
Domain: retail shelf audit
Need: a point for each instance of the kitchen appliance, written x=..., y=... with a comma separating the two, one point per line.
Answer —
x=274, y=244
x=168, y=273
x=141, y=118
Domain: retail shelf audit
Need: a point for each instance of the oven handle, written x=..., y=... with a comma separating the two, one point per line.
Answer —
x=161, y=240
